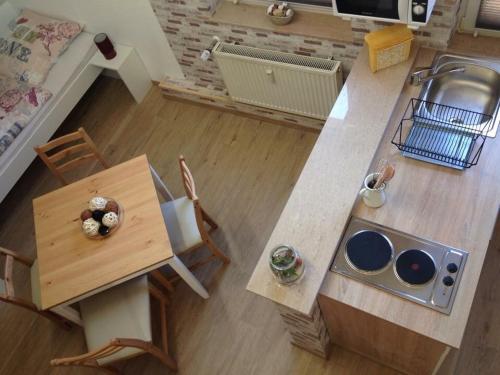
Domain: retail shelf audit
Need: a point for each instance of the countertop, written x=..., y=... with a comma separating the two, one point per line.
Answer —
x=320, y=205
x=456, y=208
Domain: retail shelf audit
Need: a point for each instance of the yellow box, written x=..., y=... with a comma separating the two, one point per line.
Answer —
x=388, y=46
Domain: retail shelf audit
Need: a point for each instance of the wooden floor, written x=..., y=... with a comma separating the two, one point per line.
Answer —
x=245, y=171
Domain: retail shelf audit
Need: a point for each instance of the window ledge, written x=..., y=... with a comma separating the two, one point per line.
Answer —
x=304, y=23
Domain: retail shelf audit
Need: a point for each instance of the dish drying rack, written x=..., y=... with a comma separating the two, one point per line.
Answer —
x=442, y=134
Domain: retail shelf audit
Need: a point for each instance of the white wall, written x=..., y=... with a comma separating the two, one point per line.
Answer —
x=129, y=22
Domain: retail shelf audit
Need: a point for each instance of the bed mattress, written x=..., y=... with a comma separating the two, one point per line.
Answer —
x=62, y=74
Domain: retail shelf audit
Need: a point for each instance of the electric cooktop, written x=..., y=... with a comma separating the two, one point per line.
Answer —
x=421, y=271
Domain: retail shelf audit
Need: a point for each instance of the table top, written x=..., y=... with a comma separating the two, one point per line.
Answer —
x=73, y=266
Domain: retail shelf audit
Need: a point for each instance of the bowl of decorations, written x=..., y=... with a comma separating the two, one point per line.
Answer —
x=101, y=218
x=280, y=13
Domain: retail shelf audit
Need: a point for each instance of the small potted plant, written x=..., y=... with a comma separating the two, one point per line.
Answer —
x=280, y=13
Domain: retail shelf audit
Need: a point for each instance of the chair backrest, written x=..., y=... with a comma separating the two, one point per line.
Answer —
x=190, y=188
x=69, y=151
x=113, y=347
x=8, y=294
x=187, y=179
x=90, y=359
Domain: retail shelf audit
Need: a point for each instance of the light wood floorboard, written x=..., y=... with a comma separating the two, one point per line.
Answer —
x=245, y=171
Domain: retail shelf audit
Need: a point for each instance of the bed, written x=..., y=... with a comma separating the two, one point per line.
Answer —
x=68, y=80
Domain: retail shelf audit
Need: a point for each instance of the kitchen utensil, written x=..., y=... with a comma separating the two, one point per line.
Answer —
x=381, y=165
x=386, y=174
x=373, y=197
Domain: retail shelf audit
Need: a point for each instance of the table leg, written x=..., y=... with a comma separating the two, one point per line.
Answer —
x=162, y=188
x=69, y=313
x=187, y=276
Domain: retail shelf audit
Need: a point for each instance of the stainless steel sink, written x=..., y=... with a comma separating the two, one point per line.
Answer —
x=474, y=88
x=457, y=109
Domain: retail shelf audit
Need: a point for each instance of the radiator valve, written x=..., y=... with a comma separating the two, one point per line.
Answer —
x=205, y=55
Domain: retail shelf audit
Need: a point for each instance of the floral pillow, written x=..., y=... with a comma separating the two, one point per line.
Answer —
x=34, y=45
x=19, y=103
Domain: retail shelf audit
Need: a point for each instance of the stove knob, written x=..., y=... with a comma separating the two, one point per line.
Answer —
x=418, y=10
x=452, y=267
x=448, y=281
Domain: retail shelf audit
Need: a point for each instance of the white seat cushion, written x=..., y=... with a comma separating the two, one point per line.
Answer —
x=120, y=312
x=180, y=219
x=2, y=286
x=35, y=285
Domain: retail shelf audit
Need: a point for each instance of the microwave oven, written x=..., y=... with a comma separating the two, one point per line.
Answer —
x=414, y=13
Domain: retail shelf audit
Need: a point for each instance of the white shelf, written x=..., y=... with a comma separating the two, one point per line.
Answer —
x=122, y=53
x=129, y=66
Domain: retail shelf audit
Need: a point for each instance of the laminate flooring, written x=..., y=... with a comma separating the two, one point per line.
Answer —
x=245, y=170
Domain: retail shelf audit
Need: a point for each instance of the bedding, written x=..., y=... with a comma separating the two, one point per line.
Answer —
x=60, y=78
x=19, y=103
x=34, y=44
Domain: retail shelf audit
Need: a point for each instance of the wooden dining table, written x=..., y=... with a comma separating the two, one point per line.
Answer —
x=73, y=266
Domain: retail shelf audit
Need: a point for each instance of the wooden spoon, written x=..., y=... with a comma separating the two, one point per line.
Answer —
x=386, y=174
x=381, y=166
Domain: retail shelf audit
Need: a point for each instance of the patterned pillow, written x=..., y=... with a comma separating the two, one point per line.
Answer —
x=19, y=103
x=34, y=45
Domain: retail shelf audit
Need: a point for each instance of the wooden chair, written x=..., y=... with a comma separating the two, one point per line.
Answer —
x=72, y=150
x=185, y=221
x=122, y=311
x=7, y=291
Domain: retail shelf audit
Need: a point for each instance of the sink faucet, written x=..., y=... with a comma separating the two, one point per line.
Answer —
x=422, y=75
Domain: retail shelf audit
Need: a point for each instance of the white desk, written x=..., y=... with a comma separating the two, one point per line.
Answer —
x=129, y=67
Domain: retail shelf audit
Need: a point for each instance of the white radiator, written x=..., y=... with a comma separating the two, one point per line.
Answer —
x=292, y=83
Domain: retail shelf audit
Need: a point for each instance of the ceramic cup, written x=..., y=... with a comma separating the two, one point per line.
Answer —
x=373, y=197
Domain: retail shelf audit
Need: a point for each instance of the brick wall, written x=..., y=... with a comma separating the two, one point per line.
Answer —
x=189, y=30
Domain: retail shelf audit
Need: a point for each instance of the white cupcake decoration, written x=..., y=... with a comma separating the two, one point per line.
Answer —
x=97, y=203
x=102, y=217
x=110, y=219
x=91, y=227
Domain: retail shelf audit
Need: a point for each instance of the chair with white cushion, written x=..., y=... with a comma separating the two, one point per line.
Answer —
x=117, y=326
x=7, y=291
x=185, y=221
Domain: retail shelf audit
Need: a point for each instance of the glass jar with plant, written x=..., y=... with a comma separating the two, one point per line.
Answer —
x=286, y=264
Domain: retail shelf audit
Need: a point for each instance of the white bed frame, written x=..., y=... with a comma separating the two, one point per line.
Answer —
x=47, y=123
x=46, y=127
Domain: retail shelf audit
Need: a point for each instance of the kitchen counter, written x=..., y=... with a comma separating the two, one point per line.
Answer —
x=456, y=208
x=320, y=205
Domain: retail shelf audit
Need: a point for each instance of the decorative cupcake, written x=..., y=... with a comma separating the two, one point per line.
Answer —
x=101, y=218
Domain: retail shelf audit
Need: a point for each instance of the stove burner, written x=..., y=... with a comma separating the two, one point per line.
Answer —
x=415, y=267
x=369, y=251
